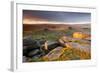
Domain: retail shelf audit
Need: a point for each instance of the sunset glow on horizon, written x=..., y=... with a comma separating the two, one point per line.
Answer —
x=53, y=17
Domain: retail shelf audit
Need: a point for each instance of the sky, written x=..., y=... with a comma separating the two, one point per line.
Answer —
x=33, y=17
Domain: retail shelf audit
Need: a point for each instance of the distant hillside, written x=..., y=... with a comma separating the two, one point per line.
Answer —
x=86, y=28
x=32, y=27
x=82, y=25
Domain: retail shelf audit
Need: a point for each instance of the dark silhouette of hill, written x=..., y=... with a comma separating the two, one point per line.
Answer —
x=32, y=27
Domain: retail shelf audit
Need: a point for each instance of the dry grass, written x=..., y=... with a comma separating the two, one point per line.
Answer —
x=74, y=54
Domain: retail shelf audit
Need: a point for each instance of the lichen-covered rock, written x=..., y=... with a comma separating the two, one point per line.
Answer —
x=54, y=54
x=80, y=35
x=85, y=48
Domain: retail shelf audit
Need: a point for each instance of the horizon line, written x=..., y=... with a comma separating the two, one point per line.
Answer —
x=54, y=22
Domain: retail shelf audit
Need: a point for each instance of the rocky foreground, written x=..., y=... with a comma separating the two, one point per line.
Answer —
x=65, y=48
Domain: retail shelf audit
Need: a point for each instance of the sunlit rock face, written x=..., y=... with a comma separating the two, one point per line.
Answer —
x=80, y=35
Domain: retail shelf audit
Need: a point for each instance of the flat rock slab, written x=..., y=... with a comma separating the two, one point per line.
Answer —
x=85, y=48
x=54, y=54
